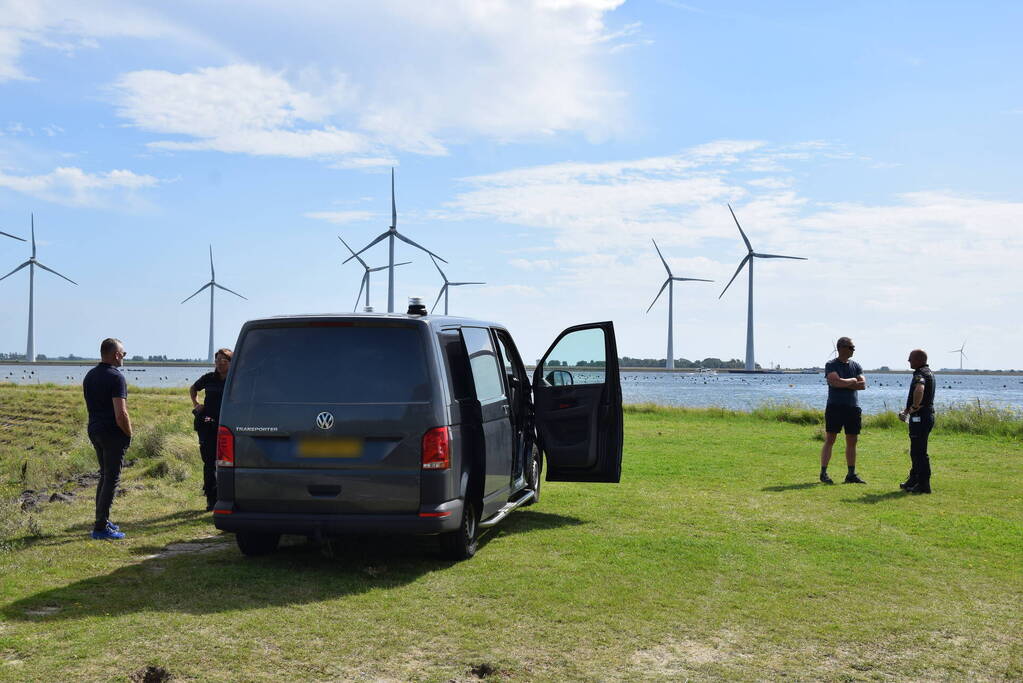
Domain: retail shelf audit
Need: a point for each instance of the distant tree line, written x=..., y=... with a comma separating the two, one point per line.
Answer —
x=683, y=363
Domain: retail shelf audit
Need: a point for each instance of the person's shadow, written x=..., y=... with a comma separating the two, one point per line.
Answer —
x=790, y=487
x=874, y=498
x=208, y=574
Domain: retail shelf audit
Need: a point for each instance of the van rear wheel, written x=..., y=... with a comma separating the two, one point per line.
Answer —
x=462, y=543
x=253, y=544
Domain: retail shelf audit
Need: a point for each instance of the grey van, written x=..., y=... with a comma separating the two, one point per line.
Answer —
x=406, y=423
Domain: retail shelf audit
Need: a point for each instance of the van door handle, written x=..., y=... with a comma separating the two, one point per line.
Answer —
x=506, y=408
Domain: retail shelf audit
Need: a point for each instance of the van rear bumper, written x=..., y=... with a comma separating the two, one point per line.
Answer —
x=438, y=519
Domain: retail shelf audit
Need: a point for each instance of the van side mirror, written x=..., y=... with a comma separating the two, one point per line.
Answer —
x=560, y=378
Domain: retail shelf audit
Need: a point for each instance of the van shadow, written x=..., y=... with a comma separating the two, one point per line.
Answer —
x=211, y=576
x=791, y=487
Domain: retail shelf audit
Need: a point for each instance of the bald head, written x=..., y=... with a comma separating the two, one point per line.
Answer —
x=917, y=358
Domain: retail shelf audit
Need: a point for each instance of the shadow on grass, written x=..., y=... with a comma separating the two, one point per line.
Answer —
x=874, y=498
x=81, y=530
x=791, y=487
x=217, y=578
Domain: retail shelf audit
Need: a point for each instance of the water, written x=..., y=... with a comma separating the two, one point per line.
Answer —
x=738, y=392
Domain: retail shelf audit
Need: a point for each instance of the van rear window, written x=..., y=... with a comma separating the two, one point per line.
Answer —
x=350, y=364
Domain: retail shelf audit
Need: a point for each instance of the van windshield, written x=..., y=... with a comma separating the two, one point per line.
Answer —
x=331, y=363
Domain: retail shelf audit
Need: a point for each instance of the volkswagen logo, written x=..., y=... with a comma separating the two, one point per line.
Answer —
x=324, y=420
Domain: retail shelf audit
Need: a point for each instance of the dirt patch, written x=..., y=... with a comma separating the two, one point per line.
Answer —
x=482, y=670
x=678, y=656
x=150, y=674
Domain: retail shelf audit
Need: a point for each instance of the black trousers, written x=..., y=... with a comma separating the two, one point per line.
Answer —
x=208, y=450
x=920, y=472
x=110, y=447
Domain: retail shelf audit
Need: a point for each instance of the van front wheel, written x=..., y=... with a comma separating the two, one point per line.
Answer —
x=252, y=544
x=534, y=473
x=462, y=543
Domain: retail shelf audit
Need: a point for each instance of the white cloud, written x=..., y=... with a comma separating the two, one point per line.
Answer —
x=438, y=75
x=75, y=187
x=72, y=26
x=340, y=217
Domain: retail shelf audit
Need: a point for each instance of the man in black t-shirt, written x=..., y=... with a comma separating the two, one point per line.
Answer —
x=106, y=399
x=919, y=413
x=845, y=379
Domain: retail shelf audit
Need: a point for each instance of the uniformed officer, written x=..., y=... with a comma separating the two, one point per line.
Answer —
x=919, y=413
x=207, y=420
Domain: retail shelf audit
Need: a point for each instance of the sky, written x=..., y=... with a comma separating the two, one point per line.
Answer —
x=538, y=146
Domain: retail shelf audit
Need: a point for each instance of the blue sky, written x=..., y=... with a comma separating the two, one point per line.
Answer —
x=538, y=146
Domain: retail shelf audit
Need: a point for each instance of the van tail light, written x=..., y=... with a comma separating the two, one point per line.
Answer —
x=225, y=447
x=437, y=449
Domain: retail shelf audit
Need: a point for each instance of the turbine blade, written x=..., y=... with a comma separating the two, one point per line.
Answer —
x=965, y=356
x=208, y=284
x=403, y=263
x=212, y=275
x=439, y=295
x=56, y=273
x=797, y=258
x=365, y=276
x=15, y=270
x=364, y=265
x=7, y=234
x=741, y=264
x=219, y=286
x=744, y=238
x=690, y=279
x=662, y=257
x=417, y=246
x=437, y=266
x=456, y=284
x=356, y=254
x=659, y=292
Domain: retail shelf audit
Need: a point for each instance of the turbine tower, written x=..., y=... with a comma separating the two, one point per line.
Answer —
x=669, y=361
x=32, y=263
x=365, y=277
x=447, y=283
x=390, y=234
x=961, y=354
x=213, y=284
x=748, y=258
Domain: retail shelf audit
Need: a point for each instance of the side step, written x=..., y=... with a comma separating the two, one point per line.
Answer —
x=508, y=507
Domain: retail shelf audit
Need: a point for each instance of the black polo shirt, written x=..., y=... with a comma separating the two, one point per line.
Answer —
x=214, y=388
x=847, y=370
x=922, y=375
x=101, y=385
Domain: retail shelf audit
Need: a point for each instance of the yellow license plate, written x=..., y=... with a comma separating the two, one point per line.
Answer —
x=330, y=448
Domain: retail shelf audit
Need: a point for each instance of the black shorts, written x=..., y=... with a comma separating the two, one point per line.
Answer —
x=837, y=418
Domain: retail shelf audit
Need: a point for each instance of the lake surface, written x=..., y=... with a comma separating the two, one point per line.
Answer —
x=738, y=392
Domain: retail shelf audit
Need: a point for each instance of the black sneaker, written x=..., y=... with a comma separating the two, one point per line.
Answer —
x=853, y=479
x=907, y=485
x=825, y=479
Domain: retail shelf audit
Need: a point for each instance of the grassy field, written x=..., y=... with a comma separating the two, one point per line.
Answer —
x=717, y=557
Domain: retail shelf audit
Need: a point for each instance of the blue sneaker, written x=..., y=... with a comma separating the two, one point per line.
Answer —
x=107, y=535
x=112, y=527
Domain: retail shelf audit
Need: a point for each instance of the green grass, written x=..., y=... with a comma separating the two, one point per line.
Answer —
x=717, y=557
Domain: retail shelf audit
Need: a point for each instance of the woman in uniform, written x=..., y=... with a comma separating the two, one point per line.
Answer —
x=207, y=419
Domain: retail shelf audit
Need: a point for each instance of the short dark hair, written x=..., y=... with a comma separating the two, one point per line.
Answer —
x=226, y=353
x=919, y=353
x=108, y=346
x=843, y=341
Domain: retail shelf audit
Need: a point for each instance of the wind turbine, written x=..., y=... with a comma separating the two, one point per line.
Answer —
x=365, y=277
x=32, y=263
x=748, y=258
x=390, y=234
x=213, y=284
x=669, y=361
x=961, y=354
x=447, y=283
